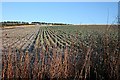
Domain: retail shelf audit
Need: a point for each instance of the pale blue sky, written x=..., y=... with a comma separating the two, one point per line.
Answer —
x=63, y=12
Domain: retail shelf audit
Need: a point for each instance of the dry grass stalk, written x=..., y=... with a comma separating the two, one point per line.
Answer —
x=86, y=65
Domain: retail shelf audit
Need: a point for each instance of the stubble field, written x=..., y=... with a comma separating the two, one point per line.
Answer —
x=74, y=52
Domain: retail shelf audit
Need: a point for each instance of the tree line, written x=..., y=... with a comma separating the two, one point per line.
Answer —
x=44, y=23
x=18, y=23
x=13, y=23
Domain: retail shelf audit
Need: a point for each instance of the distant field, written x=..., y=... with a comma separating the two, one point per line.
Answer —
x=85, y=52
x=11, y=27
